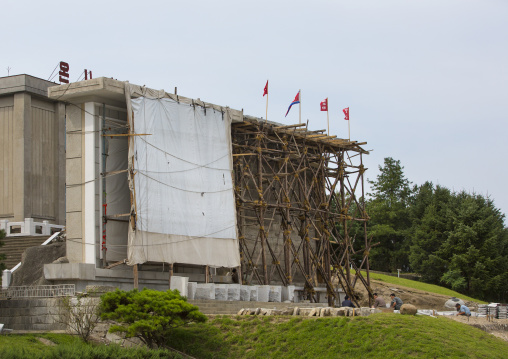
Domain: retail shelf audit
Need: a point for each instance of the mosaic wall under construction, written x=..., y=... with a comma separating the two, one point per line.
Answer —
x=297, y=194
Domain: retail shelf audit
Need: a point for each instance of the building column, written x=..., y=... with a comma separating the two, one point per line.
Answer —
x=89, y=182
x=60, y=160
x=22, y=159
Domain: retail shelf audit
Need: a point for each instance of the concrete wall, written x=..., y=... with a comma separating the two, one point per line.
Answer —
x=30, y=314
x=32, y=148
x=6, y=156
x=83, y=160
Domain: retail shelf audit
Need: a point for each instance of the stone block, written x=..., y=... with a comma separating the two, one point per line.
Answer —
x=296, y=311
x=179, y=283
x=254, y=293
x=275, y=293
x=287, y=311
x=288, y=293
x=191, y=290
x=111, y=337
x=244, y=293
x=263, y=293
x=304, y=311
x=325, y=312
x=365, y=311
x=313, y=312
x=234, y=292
x=205, y=291
x=221, y=292
x=408, y=309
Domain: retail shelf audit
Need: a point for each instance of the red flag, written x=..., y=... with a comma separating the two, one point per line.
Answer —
x=346, y=112
x=324, y=105
x=266, y=89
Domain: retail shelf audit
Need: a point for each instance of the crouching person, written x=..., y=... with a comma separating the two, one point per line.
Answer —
x=396, y=302
x=462, y=310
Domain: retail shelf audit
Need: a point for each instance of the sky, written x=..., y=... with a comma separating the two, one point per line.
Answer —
x=426, y=81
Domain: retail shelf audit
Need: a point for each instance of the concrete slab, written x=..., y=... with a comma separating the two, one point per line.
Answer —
x=191, y=290
x=245, y=293
x=275, y=293
x=221, y=292
x=263, y=293
x=205, y=291
x=254, y=293
x=234, y=292
x=179, y=283
x=288, y=293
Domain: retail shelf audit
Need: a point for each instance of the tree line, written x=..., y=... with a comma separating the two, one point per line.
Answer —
x=453, y=239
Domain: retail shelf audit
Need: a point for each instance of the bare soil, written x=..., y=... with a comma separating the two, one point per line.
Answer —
x=497, y=327
x=425, y=300
x=420, y=299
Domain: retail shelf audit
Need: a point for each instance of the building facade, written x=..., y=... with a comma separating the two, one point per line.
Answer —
x=32, y=151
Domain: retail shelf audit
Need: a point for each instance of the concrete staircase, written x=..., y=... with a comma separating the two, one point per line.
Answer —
x=14, y=247
x=211, y=307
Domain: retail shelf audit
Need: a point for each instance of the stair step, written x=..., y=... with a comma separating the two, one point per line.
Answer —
x=14, y=247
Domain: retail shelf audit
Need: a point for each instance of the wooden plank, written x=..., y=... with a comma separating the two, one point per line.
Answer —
x=136, y=279
x=289, y=126
x=116, y=264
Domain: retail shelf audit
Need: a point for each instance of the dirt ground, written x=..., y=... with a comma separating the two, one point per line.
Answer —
x=497, y=327
x=420, y=299
x=425, y=300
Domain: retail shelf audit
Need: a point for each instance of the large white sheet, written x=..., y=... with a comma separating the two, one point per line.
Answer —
x=183, y=186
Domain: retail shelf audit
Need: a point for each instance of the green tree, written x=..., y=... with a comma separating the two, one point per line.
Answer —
x=459, y=240
x=477, y=248
x=388, y=209
x=432, y=220
x=149, y=315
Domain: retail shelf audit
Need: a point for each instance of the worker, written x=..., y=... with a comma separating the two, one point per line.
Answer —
x=462, y=310
x=347, y=302
x=234, y=276
x=379, y=302
x=396, y=302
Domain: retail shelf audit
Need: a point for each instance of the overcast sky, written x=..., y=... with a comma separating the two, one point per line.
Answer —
x=426, y=81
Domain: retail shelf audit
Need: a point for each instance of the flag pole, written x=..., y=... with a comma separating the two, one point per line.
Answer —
x=327, y=117
x=266, y=104
x=300, y=98
x=348, y=128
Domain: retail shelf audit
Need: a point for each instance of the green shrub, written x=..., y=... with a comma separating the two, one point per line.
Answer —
x=149, y=315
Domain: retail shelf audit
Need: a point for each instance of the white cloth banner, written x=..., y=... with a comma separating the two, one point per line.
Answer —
x=183, y=185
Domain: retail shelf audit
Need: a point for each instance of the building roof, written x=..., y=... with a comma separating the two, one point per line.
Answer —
x=25, y=83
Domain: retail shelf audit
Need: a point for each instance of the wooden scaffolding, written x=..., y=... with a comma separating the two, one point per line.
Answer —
x=296, y=197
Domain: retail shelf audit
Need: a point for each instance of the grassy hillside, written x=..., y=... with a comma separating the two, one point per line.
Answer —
x=431, y=288
x=382, y=335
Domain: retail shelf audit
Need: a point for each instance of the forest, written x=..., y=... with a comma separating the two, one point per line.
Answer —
x=455, y=239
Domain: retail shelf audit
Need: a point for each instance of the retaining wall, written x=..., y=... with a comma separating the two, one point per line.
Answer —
x=30, y=314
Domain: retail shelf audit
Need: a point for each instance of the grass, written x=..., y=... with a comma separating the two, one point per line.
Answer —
x=379, y=335
x=70, y=347
x=431, y=288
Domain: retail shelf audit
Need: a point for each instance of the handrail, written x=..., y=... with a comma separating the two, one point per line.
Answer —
x=7, y=273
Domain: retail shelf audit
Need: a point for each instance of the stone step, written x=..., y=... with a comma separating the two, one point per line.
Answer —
x=14, y=247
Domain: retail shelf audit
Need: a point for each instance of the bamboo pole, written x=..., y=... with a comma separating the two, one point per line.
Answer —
x=135, y=274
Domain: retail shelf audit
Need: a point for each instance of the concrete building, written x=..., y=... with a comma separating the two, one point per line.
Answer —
x=94, y=162
x=32, y=151
x=294, y=197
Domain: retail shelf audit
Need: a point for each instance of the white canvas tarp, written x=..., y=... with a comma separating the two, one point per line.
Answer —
x=183, y=187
